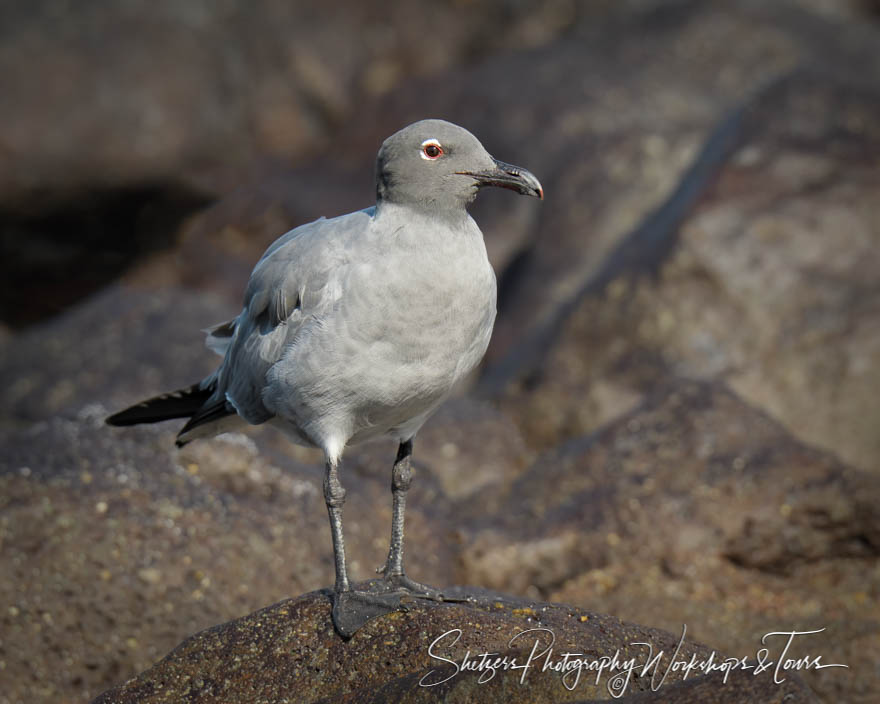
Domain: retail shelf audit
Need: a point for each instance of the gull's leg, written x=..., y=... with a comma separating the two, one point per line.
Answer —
x=401, y=478
x=352, y=608
x=334, y=496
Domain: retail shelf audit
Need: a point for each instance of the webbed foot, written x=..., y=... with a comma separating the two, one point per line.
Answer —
x=377, y=597
x=353, y=608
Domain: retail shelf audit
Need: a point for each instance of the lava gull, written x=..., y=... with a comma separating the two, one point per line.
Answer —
x=360, y=326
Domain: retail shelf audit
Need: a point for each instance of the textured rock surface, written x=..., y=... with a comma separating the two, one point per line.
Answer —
x=695, y=509
x=120, y=119
x=698, y=509
x=161, y=91
x=116, y=546
x=805, y=140
x=771, y=285
x=290, y=652
x=109, y=349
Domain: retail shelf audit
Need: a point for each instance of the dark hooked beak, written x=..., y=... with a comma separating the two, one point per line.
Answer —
x=508, y=176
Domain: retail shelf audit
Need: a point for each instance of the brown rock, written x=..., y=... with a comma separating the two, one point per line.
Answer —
x=159, y=91
x=770, y=285
x=697, y=509
x=290, y=651
x=613, y=119
x=113, y=551
x=115, y=545
x=693, y=510
x=118, y=347
x=121, y=120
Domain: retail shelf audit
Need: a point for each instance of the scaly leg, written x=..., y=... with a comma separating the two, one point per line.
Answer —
x=352, y=608
x=401, y=478
x=334, y=496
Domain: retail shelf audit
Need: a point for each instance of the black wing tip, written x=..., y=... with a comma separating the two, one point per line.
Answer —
x=206, y=414
x=121, y=419
x=182, y=403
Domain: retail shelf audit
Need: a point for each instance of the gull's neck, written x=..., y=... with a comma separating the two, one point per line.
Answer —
x=455, y=217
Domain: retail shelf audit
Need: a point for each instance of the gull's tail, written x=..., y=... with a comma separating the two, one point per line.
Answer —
x=193, y=402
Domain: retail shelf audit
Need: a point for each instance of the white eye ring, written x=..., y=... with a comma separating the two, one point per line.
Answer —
x=429, y=154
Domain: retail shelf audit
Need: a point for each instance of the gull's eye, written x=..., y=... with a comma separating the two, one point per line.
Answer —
x=431, y=149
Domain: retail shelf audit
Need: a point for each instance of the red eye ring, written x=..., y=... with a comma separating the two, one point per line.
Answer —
x=431, y=150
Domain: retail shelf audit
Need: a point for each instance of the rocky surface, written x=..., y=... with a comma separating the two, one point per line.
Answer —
x=119, y=120
x=123, y=336
x=681, y=427
x=694, y=510
x=191, y=93
x=127, y=545
x=697, y=509
x=769, y=284
x=634, y=190
x=290, y=652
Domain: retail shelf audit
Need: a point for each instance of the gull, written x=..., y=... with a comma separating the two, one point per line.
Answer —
x=360, y=326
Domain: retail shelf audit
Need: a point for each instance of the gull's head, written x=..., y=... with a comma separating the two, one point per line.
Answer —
x=438, y=165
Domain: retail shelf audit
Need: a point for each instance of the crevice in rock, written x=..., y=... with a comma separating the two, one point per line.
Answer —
x=56, y=249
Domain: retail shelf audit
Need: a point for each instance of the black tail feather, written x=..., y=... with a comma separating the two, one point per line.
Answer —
x=205, y=414
x=183, y=403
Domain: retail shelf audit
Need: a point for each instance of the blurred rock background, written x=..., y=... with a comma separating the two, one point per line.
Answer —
x=677, y=421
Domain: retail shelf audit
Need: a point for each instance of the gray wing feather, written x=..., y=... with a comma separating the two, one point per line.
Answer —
x=292, y=287
x=219, y=337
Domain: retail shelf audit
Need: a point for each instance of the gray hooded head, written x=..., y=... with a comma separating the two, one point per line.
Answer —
x=436, y=165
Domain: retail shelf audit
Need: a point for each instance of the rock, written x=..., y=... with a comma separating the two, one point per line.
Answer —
x=113, y=550
x=156, y=91
x=116, y=545
x=768, y=284
x=121, y=120
x=290, y=651
x=695, y=509
x=112, y=349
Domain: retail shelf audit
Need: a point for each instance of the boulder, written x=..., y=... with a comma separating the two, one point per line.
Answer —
x=114, y=348
x=290, y=652
x=120, y=120
x=768, y=284
x=159, y=92
x=693, y=510
x=696, y=508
